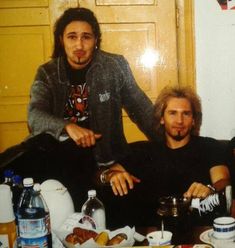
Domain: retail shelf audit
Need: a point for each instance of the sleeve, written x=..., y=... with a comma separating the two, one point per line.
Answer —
x=41, y=117
x=138, y=106
x=217, y=152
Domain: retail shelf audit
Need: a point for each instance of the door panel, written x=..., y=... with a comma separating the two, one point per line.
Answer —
x=133, y=27
x=25, y=43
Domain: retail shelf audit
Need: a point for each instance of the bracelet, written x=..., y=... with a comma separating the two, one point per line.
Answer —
x=103, y=176
x=211, y=188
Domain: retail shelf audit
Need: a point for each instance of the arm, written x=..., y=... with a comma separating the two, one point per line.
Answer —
x=44, y=110
x=220, y=178
x=136, y=103
x=118, y=178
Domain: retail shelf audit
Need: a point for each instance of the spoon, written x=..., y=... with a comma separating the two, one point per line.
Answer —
x=162, y=229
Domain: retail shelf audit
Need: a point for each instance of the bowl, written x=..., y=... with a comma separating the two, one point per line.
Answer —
x=156, y=238
x=224, y=227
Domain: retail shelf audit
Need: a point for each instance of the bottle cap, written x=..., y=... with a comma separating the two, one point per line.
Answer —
x=28, y=182
x=6, y=206
x=92, y=193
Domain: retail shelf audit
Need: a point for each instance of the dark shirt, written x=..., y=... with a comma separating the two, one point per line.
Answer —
x=169, y=171
x=76, y=108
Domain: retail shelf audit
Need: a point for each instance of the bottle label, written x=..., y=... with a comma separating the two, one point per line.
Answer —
x=97, y=221
x=34, y=243
x=32, y=228
x=88, y=222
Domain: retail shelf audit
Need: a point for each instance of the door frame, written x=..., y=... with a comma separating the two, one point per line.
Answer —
x=186, y=43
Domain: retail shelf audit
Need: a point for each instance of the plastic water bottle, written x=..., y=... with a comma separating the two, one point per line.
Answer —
x=93, y=212
x=17, y=188
x=8, y=232
x=33, y=217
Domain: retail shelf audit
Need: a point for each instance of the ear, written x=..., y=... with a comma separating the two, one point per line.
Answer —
x=95, y=43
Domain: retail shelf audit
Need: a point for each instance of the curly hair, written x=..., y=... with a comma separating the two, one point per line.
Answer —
x=177, y=92
x=70, y=15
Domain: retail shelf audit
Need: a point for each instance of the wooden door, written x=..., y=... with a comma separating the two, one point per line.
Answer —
x=25, y=43
x=129, y=27
x=140, y=30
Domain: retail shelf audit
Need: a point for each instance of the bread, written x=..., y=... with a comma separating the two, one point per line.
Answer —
x=80, y=235
x=73, y=239
x=117, y=239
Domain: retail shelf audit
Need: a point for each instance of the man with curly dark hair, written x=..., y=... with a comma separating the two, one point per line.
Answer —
x=78, y=96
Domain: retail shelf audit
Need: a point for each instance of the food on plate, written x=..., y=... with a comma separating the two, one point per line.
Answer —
x=117, y=239
x=73, y=239
x=80, y=235
x=102, y=238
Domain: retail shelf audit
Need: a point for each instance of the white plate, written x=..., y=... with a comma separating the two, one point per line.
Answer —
x=205, y=237
x=208, y=237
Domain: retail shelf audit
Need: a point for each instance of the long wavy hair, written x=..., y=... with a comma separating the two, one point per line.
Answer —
x=70, y=15
x=177, y=92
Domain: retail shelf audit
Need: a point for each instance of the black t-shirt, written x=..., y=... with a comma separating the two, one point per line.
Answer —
x=166, y=171
x=76, y=108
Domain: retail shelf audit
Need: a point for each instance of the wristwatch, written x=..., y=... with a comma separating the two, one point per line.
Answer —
x=103, y=176
x=211, y=188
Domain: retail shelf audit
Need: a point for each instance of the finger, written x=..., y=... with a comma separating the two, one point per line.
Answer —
x=114, y=188
x=119, y=186
x=197, y=190
x=135, y=179
x=189, y=192
x=128, y=180
x=87, y=139
x=204, y=192
x=97, y=136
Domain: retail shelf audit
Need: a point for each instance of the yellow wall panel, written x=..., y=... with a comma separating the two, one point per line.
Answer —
x=23, y=3
x=31, y=47
x=12, y=134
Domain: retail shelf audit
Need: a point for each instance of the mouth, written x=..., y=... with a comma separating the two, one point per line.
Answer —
x=79, y=54
x=178, y=129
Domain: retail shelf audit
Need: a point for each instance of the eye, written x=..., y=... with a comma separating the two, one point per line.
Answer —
x=87, y=37
x=188, y=113
x=172, y=112
x=72, y=37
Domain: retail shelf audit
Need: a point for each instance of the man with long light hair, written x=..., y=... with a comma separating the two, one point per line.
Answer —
x=179, y=162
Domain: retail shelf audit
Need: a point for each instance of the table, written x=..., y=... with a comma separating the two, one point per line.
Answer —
x=190, y=237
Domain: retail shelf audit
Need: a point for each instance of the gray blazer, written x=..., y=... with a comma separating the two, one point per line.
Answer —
x=111, y=87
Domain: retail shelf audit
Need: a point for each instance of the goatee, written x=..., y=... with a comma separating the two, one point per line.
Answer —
x=178, y=137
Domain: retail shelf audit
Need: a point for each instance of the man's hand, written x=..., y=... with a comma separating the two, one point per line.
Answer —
x=197, y=190
x=121, y=180
x=82, y=136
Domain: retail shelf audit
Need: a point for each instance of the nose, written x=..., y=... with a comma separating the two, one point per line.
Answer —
x=180, y=118
x=79, y=43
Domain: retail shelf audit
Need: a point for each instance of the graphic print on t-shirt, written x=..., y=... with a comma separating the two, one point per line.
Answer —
x=76, y=108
